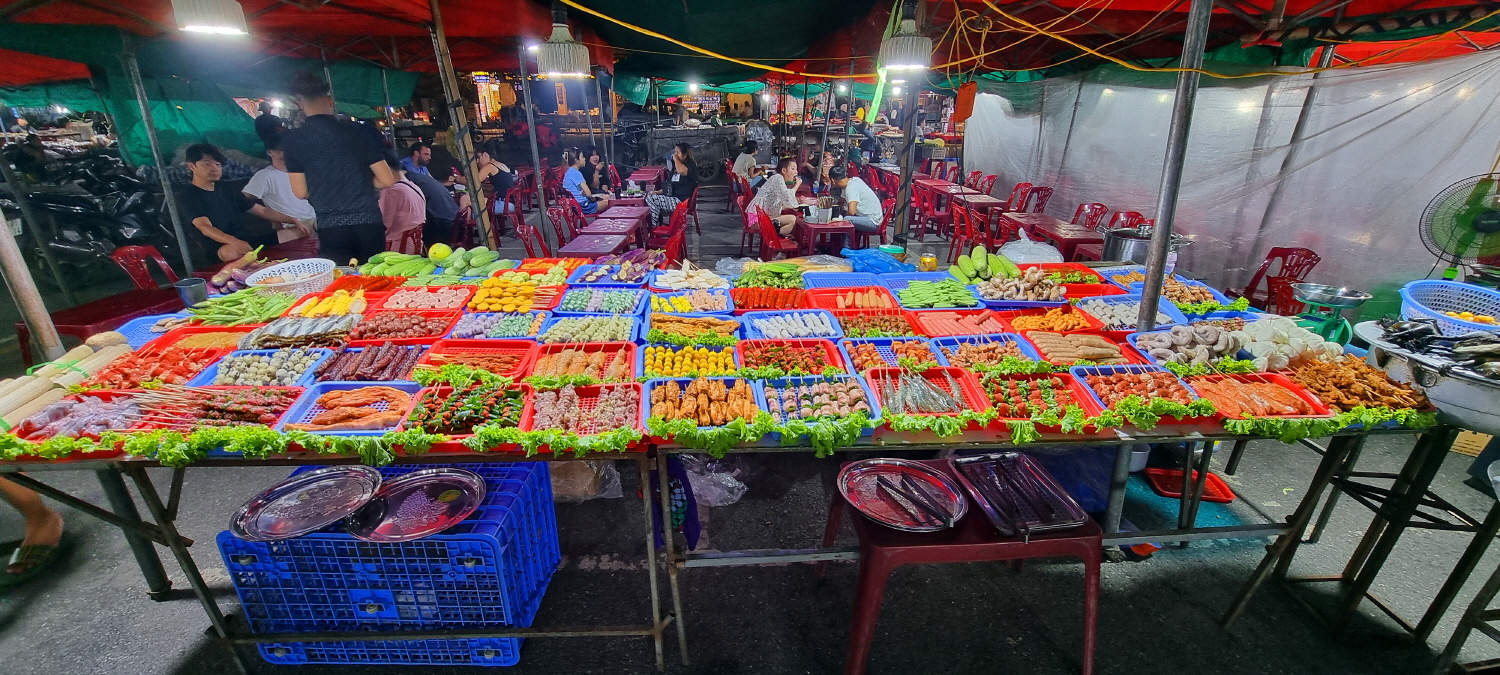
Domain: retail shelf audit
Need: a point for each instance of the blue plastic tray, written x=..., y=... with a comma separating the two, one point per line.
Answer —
x=656, y=274
x=1163, y=306
x=545, y=317
x=1105, y=272
x=751, y=333
x=685, y=381
x=640, y=298
x=897, y=281
x=640, y=356
x=1138, y=288
x=1027, y=351
x=839, y=280
x=1246, y=316
x=206, y=378
x=760, y=394
x=137, y=331
x=728, y=300
x=307, y=407
x=1013, y=304
x=576, y=278
x=882, y=346
x=637, y=333
x=1081, y=374
x=740, y=333
x=356, y=350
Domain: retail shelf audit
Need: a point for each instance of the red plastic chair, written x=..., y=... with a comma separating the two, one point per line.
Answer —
x=134, y=260
x=771, y=241
x=527, y=232
x=1084, y=252
x=1295, y=264
x=1041, y=194
x=971, y=539
x=675, y=248
x=862, y=239
x=464, y=227
x=939, y=219
x=960, y=235
x=1126, y=219
x=1090, y=215
x=614, y=177
x=676, y=226
x=109, y=313
x=987, y=183
x=738, y=187
x=409, y=241
x=972, y=181
x=1019, y=195
x=749, y=228
x=559, y=217
x=692, y=212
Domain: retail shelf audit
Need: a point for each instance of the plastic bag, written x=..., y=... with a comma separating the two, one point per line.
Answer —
x=875, y=261
x=715, y=483
x=583, y=480
x=731, y=267
x=1025, y=250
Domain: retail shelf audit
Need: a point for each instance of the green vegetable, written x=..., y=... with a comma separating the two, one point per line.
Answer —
x=945, y=293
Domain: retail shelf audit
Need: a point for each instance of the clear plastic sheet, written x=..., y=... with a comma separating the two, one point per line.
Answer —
x=1378, y=144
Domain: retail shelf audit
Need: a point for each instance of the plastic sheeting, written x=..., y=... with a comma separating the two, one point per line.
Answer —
x=1378, y=144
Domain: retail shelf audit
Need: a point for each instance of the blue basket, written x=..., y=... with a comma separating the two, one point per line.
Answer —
x=1428, y=299
x=1014, y=304
x=1106, y=273
x=1163, y=306
x=637, y=332
x=882, y=347
x=645, y=326
x=137, y=331
x=640, y=299
x=206, y=378
x=545, y=317
x=576, y=278
x=728, y=300
x=764, y=403
x=355, y=350
x=1081, y=374
x=752, y=333
x=1139, y=288
x=640, y=356
x=898, y=281
x=651, y=282
x=839, y=280
x=307, y=407
x=1247, y=317
x=685, y=381
x=1027, y=351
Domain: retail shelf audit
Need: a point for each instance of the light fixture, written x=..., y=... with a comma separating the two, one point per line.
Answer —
x=693, y=87
x=532, y=48
x=765, y=97
x=895, y=91
x=60, y=109
x=898, y=81
x=843, y=88
x=276, y=103
x=561, y=55
x=214, y=17
x=906, y=50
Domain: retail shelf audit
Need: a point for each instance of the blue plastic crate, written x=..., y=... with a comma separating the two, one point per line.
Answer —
x=1107, y=272
x=645, y=327
x=637, y=332
x=355, y=350
x=1081, y=374
x=882, y=346
x=1247, y=317
x=651, y=282
x=752, y=333
x=206, y=378
x=137, y=331
x=545, y=317
x=1027, y=350
x=1014, y=304
x=1163, y=306
x=838, y=280
x=764, y=403
x=640, y=299
x=685, y=381
x=307, y=406
x=1139, y=288
x=898, y=281
x=640, y=356
x=576, y=278
x=728, y=300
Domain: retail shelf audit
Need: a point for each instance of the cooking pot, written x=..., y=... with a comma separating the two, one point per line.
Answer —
x=1134, y=244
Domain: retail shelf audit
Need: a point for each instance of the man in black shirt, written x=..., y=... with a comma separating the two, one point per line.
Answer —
x=268, y=126
x=442, y=208
x=219, y=213
x=335, y=166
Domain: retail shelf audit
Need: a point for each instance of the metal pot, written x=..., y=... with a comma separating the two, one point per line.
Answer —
x=1134, y=244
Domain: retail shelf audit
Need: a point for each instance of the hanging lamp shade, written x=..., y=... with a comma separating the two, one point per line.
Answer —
x=906, y=50
x=215, y=17
x=561, y=55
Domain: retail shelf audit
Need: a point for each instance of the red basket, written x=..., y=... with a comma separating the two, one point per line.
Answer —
x=544, y=264
x=525, y=349
x=354, y=282
x=75, y=456
x=1007, y=317
x=1168, y=483
x=379, y=303
x=1080, y=397
x=544, y=303
x=1079, y=290
x=372, y=300
x=973, y=396
x=178, y=423
x=201, y=358
x=454, y=445
x=613, y=350
x=1127, y=352
x=588, y=397
x=450, y=315
x=176, y=335
x=843, y=316
x=829, y=350
x=828, y=298
x=1319, y=409
x=755, y=299
x=937, y=322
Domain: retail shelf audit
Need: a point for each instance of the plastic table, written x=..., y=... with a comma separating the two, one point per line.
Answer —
x=814, y=233
x=593, y=246
x=625, y=212
x=611, y=226
x=626, y=201
x=1064, y=235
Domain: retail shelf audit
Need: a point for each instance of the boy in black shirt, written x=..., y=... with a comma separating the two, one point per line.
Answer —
x=219, y=213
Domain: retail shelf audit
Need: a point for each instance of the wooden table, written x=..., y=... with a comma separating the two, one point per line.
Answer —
x=944, y=187
x=1064, y=235
x=812, y=233
x=593, y=246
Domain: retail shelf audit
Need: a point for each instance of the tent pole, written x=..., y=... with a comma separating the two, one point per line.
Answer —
x=390, y=122
x=460, y=122
x=828, y=122
x=133, y=68
x=538, y=179
x=588, y=118
x=908, y=158
x=607, y=135
x=1193, y=44
x=18, y=276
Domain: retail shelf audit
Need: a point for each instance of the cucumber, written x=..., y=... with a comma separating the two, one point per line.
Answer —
x=966, y=266
x=1004, y=264
x=392, y=257
x=957, y=272
x=483, y=258
x=428, y=268
x=379, y=257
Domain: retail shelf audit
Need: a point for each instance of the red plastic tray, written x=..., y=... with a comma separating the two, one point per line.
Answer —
x=346, y=283
x=924, y=319
x=1129, y=353
x=1006, y=317
x=547, y=304
x=526, y=349
x=970, y=390
x=1080, y=396
x=588, y=397
x=186, y=424
x=105, y=395
x=372, y=299
x=455, y=446
x=827, y=298
x=172, y=337
x=1319, y=409
x=380, y=301
x=450, y=314
x=1078, y=290
x=1168, y=483
x=544, y=264
x=620, y=350
x=906, y=315
x=830, y=351
x=787, y=298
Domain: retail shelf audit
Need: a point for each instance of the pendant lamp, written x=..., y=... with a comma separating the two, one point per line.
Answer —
x=906, y=50
x=561, y=55
x=214, y=17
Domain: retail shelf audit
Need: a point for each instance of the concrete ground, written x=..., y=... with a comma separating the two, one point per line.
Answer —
x=90, y=614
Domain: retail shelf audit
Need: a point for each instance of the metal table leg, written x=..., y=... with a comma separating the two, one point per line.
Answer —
x=1189, y=520
x=158, y=586
x=1333, y=496
x=644, y=467
x=1235, y=455
x=1474, y=617
x=1117, y=485
x=1460, y=574
x=666, y=532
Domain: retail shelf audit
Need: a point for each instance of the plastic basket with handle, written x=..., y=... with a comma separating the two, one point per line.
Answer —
x=311, y=275
x=1430, y=299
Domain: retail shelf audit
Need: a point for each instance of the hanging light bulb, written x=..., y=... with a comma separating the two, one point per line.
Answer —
x=561, y=55
x=765, y=97
x=843, y=88
x=693, y=87
x=215, y=17
x=906, y=50
x=895, y=91
x=533, y=48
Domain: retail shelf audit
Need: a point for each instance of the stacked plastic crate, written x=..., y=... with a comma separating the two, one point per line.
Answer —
x=490, y=571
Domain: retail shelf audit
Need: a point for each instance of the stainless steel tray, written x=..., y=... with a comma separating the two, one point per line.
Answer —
x=1017, y=494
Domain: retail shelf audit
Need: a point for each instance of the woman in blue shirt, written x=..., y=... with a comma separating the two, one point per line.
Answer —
x=578, y=187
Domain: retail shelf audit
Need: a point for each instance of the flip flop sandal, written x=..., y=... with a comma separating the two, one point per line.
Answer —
x=27, y=561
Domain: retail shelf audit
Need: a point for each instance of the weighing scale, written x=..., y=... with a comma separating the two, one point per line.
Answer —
x=1325, y=309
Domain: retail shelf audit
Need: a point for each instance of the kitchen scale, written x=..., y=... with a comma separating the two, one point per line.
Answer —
x=1325, y=309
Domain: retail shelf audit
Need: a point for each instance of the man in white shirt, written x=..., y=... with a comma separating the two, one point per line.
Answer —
x=746, y=167
x=862, y=205
x=271, y=187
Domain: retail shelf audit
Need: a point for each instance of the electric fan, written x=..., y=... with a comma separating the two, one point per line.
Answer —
x=1461, y=225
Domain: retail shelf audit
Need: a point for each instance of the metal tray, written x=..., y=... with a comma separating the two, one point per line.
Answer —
x=418, y=504
x=1030, y=502
x=305, y=503
x=857, y=483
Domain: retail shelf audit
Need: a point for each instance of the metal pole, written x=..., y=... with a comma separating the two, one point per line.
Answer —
x=390, y=122
x=158, y=584
x=40, y=227
x=460, y=120
x=804, y=111
x=1171, y=174
x=539, y=181
x=908, y=157
x=133, y=68
x=828, y=122
x=327, y=74
x=588, y=118
x=18, y=277
x=611, y=137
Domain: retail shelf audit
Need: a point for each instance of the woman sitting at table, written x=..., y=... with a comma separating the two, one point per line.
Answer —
x=778, y=196
x=594, y=172
x=574, y=182
x=682, y=180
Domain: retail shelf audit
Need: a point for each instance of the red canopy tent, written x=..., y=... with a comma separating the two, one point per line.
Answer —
x=22, y=69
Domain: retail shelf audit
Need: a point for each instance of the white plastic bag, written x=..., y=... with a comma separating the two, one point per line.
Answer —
x=1025, y=250
x=714, y=482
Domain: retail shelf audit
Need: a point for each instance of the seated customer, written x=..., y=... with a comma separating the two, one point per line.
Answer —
x=747, y=168
x=403, y=209
x=778, y=195
x=577, y=186
x=862, y=206
x=219, y=215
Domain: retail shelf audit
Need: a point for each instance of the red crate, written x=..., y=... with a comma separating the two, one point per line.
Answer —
x=178, y=423
x=202, y=358
x=1319, y=409
x=1168, y=483
x=350, y=282
x=588, y=397
x=372, y=299
x=544, y=264
x=525, y=349
x=613, y=351
x=1080, y=396
x=1078, y=290
x=927, y=322
x=454, y=445
x=969, y=389
x=172, y=337
x=830, y=351
x=1007, y=317
x=767, y=298
x=450, y=315
x=379, y=303
x=1127, y=352
x=828, y=298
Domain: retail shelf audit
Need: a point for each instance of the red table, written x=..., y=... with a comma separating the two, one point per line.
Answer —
x=655, y=175
x=592, y=246
x=611, y=226
x=625, y=212
x=812, y=233
x=1064, y=235
x=627, y=201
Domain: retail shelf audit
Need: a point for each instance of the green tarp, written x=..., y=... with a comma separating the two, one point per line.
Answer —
x=637, y=90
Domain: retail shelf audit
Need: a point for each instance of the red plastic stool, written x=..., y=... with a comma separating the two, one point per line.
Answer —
x=1083, y=252
x=972, y=539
